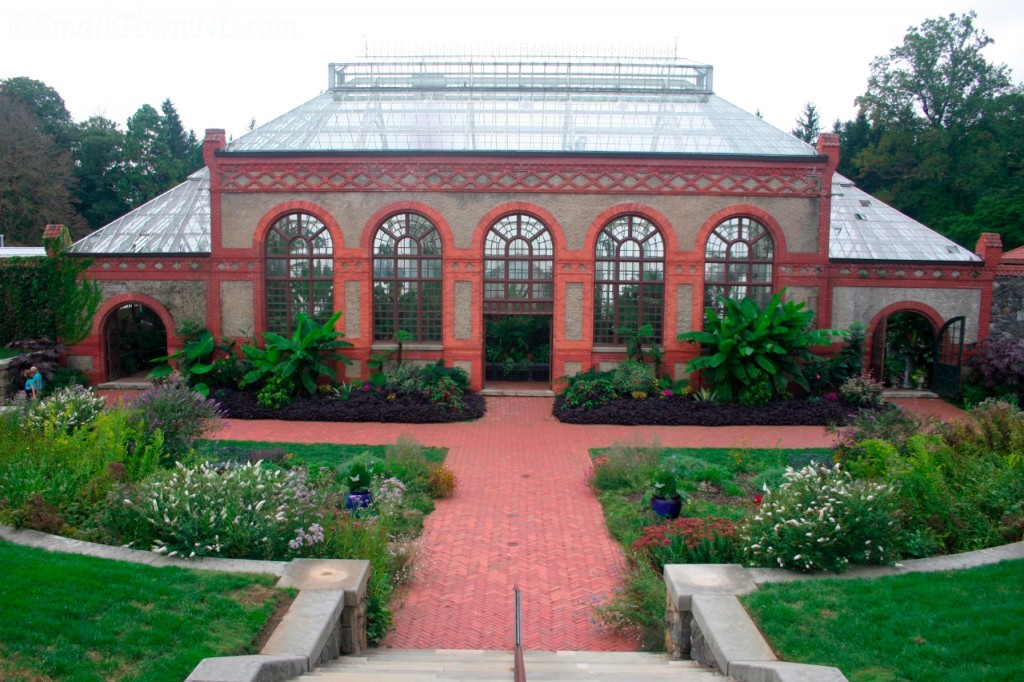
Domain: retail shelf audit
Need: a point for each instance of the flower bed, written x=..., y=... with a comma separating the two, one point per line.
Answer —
x=360, y=406
x=679, y=410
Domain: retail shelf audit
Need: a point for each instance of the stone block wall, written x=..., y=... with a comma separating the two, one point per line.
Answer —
x=1007, y=306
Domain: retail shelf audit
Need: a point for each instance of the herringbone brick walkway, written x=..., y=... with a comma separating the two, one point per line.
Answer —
x=522, y=514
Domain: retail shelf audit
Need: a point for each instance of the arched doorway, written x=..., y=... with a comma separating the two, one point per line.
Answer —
x=133, y=335
x=903, y=350
x=518, y=300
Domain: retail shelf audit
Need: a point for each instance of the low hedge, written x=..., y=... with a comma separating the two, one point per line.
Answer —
x=685, y=411
x=369, y=406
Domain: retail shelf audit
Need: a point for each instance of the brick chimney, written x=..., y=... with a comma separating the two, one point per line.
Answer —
x=990, y=248
x=56, y=238
x=828, y=144
x=215, y=139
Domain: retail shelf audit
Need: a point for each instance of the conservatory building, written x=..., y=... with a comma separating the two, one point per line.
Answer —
x=522, y=219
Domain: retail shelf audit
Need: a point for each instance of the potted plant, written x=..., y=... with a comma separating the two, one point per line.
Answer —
x=919, y=378
x=666, y=497
x=357, y=479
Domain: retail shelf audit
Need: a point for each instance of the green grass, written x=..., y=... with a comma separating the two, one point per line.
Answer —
x=924, y=627
x=6, y=353
x=311, y=455
x=70, y=617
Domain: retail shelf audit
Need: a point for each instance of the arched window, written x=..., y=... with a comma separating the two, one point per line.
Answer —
x=738, y=263
x=299, y=271
x=407, y=279
x=629, y=279
x=518, y=267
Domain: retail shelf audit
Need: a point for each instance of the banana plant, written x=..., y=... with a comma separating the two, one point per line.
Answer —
x=748, y=345
x=299, y=359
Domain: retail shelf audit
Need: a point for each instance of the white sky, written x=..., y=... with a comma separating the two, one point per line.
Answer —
x=225, y=63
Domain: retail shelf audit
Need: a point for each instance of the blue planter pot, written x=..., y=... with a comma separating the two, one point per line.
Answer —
x=666, y=507
x=356, y=501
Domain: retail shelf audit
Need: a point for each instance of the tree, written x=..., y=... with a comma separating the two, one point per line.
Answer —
x=808, y=125
x=48, y=107
x=937, y=77
x=36, y=177
x=184, y=148
x=149, y=167
x=99, y=167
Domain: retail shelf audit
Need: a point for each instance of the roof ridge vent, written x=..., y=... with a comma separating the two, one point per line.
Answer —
x=549, y=74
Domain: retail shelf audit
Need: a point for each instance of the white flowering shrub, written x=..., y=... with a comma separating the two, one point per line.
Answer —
x=243, y=511
x=822, y=519
x=64, y=412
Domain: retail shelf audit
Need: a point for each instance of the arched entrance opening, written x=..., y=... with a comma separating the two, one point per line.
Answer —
x=903, y=350
x=518, y=300
x=133, y=334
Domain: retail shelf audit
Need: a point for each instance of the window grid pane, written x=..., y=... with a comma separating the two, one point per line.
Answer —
x=518, y=267
x=629, y=279
x=738, y=263
x=407, y=279
x=298, y=271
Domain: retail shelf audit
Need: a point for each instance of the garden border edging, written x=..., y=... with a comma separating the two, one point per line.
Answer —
x=706, y=622
x=326, y=619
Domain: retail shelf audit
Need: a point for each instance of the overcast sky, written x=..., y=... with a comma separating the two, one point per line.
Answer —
x=223, y=64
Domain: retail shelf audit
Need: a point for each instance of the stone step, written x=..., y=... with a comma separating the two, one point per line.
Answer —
x=408, y=665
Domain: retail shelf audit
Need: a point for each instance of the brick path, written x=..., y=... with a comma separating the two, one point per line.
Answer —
x=522, y=514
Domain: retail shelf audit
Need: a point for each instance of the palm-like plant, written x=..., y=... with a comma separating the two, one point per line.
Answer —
x=299, y=359
x=749, y=345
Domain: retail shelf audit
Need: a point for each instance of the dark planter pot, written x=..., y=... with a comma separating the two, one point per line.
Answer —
x=356, y=501
x=666, y=507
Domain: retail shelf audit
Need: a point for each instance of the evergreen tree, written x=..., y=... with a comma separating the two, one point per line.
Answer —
x=100, y=169
x=808, y=125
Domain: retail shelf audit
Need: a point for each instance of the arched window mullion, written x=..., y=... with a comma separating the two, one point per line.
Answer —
x=297, y=239
x=406, y=300
x=629, y=289
x=734, y=272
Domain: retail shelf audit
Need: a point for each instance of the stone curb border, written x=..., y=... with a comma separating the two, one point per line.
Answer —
x=706, y=622
x=326, y=619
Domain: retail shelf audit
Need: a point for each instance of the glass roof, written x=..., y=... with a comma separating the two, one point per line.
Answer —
x=629, y=105
x=177, y=221
x=863, y=228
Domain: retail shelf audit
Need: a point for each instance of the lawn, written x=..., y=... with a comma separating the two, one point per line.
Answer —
x=72, y=617
x=310, y=455
x=925, y=627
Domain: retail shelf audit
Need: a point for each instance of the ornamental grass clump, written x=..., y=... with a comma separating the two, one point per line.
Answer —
x=821, y=519
x=239, y=512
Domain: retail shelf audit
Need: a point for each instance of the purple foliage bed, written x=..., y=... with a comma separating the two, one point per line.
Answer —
x=684, y=411
x=371, y=406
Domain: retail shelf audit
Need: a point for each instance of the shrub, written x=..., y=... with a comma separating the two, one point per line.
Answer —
x=822, y=519
x=588, y=391
x=68, y=475
x=687, y=540
x=442, y=481
x=892, y=424
x=1000, y=361
x=63, y=412
x=242, y=512
x=757, y=394
x=861, y=391
x=178, y=411
x=631, y=377
x=64, y=377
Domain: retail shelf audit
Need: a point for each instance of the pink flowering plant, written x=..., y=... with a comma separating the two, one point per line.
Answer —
x=821, y=519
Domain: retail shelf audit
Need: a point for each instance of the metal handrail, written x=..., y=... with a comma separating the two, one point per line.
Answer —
x=519, y=670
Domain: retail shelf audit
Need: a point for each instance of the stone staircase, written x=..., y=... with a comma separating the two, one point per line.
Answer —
x=412, y=665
